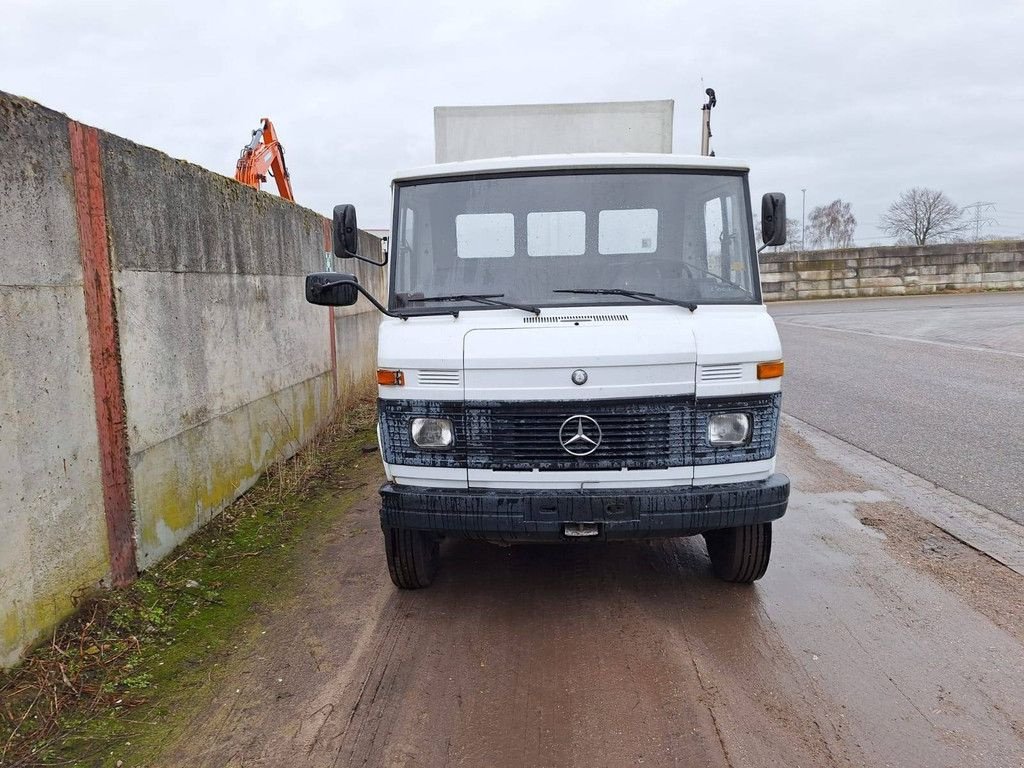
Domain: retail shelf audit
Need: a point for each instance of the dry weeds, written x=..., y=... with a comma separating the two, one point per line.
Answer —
x=92, y=665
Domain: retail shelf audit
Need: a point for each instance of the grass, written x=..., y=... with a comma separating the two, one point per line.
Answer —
x=117, y=679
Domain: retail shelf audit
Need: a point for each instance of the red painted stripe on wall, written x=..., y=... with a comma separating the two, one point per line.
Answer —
x=104, y=350
x=328, y=248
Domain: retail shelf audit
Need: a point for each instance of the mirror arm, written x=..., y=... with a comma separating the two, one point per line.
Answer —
x=383, y=262
x=367, y=294
x=762, y=247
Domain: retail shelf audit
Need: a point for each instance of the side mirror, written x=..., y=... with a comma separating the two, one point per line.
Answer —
x=332, y=289
x=773, y=219
x=346, y=233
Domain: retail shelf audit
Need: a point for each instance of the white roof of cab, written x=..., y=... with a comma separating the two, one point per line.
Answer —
x=571, y=162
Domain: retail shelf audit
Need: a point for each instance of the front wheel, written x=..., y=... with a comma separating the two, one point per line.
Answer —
x=740, y=554
x=413, y=557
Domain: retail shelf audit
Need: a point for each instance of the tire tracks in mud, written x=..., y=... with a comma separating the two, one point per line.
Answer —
x=756, y=691
x=368, y=714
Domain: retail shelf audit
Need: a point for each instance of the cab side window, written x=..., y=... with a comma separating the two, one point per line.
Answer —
x=722, y=233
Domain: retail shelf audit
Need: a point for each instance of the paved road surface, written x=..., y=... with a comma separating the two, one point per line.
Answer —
x=932, y=384
x=874, y=639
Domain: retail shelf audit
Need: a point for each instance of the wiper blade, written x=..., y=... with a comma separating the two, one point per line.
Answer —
x=642, y=295
x=493, y=299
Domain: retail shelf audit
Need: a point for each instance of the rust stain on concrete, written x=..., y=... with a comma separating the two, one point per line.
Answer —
x=104, y=350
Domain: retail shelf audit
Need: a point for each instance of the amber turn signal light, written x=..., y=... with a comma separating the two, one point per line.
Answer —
x=770, y=370
x=389, y=378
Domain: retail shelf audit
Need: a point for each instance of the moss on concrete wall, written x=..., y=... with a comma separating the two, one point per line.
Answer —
x=184, y=481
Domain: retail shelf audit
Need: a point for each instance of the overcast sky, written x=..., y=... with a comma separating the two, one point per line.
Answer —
x=857, y=100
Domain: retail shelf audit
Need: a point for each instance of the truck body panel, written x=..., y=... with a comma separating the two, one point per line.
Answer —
x=469, y=133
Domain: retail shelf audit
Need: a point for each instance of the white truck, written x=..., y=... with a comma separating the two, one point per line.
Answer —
x=575, y=344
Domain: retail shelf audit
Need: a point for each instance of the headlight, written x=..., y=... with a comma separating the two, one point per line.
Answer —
x=432, y=433
x=729, y=429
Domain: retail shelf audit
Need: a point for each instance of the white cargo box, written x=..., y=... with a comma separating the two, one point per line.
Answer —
x=473, y=133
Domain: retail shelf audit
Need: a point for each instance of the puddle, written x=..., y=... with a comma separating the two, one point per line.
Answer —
x=842, y=506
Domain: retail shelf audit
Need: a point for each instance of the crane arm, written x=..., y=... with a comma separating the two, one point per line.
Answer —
x=263, y=155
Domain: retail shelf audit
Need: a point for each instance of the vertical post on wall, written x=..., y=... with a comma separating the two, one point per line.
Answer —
x=329, y=266
x=803, y=216
x=104, y=350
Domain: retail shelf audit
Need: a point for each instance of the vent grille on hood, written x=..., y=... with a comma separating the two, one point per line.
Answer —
x=723, y=372
x=534, y=319
x=438, y=378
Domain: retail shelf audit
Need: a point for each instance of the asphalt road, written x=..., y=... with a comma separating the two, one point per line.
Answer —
x=932, y=384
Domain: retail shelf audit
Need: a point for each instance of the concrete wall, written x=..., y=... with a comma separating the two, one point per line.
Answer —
x=894, y=271
x=52, y=526
x=356, y=326
x=224, y=367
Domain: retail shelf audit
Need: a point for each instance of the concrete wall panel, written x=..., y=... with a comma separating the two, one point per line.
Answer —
x=356, y=339
x=51, y=498
x=226, y=367
x=355, y=327
x=197, y=346
x=167, y=215
x=895, y=271
x=185, y=480
x=52, y=527
x=38, y=231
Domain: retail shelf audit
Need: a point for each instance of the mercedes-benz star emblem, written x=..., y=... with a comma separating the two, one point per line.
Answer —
x=579, y=435
x=579, y=376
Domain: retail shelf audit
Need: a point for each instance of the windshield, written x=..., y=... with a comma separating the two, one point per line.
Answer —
x=679, y=236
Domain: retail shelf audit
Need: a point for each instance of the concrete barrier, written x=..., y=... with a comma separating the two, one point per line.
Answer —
x=893, y=271
x=156, y=352
x=52, y=524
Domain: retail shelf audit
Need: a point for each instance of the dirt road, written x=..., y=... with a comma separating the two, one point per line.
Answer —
x=889, y=643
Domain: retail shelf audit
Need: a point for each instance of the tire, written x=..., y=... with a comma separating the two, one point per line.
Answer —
x=413, y=557
x=740, y=555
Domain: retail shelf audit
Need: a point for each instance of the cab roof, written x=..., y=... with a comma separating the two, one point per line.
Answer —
x=578, y=161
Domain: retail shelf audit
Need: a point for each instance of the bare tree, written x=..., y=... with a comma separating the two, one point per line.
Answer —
x=831, y=225
x=792, y=234
x=921, y=215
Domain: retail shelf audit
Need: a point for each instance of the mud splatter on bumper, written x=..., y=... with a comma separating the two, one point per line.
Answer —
x=626, y=513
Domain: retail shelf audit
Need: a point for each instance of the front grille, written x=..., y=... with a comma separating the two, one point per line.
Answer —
x=635, y=434
x=650, y=433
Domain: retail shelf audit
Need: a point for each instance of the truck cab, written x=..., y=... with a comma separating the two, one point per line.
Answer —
x=575, y=348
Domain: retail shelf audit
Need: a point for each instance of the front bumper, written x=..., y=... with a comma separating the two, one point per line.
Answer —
x=618, y=513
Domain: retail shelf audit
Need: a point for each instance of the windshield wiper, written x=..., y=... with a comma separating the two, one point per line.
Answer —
x=642, y=295
x=480, y=298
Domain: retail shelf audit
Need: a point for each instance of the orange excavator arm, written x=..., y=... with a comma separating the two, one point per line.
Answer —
x=263, y=155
